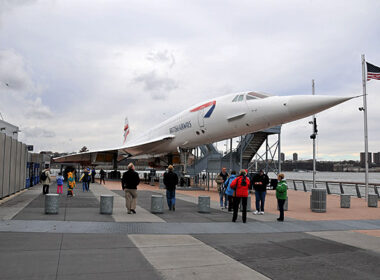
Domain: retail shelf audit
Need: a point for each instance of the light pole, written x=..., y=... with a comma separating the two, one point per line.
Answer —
x=314, y=135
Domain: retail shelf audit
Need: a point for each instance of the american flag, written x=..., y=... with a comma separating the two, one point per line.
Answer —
x=373, y=72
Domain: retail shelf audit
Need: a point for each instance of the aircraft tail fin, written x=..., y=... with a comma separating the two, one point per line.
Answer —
x=126, y=131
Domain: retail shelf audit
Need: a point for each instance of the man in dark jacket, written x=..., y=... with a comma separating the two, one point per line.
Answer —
x=129, y=183
x=259, y=183
x=170, y=182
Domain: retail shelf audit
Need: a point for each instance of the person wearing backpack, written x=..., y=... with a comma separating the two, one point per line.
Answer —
x=85, y=178
x=230, y=192
x=45, y=179
x=60, y=183
x=240, y=185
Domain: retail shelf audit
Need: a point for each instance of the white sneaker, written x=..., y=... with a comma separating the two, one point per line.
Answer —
x=256, y=212
x=261, y=213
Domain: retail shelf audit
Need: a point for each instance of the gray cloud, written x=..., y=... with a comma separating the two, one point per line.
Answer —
x=153, y=82
x=13, y=73
x=86, y=68
x=162, y=56
x=37, y=132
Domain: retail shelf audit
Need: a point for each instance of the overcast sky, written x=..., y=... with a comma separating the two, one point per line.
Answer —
x=76, y=69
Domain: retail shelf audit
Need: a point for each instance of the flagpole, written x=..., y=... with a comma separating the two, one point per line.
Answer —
x=364, y=80
x=313, y=136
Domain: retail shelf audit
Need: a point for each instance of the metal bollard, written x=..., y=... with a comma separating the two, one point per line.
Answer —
x=106, y=204
x=318, y=200
x=157, y=204
x=203, y=204
x=285, y=205
x=345, y=201
x=51, y=203
x=161, y=180
x=372, y=200
x=248, y=204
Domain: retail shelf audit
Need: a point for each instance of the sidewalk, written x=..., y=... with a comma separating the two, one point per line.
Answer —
x=80, y=243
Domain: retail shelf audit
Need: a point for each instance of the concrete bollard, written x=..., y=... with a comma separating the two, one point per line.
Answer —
x=203, y=204
x=345, y=201
x=152, y=181
x=318, y=200
x=51, y=203
x=248, y=204
x=106, y=204
x=157, y=204
x=285, y=205
x=372, y=200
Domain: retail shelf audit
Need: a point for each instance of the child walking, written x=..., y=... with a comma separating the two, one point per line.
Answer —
x=70, y=184
x=59, y=183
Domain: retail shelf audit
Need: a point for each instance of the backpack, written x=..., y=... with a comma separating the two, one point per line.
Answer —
x=43, y=176
x=59, y=180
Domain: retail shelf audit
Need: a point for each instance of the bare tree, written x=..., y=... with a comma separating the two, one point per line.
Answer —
x=84, y=149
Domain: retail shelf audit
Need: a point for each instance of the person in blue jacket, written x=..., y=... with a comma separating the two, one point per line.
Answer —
x=229, y=191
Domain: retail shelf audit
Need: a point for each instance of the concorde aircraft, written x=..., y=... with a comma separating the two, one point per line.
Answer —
x=211, y=121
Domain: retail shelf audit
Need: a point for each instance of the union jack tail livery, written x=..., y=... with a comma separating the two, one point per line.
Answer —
x=126, y=130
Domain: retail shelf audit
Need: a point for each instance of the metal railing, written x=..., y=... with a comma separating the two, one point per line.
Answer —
x=334, y=187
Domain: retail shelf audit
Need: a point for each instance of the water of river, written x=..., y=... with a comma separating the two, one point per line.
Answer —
x=374, y=177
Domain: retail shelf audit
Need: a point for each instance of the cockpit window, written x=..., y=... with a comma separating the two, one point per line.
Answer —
x=235, y=98
x=241, y=97
x=255, y=95
x=250, y=97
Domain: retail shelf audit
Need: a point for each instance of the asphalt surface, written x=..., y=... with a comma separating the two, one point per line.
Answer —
x=80, y=243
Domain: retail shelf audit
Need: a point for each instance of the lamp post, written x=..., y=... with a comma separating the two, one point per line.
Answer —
x=314, y=136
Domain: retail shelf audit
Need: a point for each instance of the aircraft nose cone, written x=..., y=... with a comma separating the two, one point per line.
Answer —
x=306, y=105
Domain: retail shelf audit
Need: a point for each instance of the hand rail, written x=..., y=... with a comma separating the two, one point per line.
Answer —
x=337, y=184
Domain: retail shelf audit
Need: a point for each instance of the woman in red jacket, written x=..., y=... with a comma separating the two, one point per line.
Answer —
x=240, y=185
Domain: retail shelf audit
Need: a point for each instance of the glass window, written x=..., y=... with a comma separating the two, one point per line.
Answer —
x=241, y=97
x=250, y=97
x=235, y=99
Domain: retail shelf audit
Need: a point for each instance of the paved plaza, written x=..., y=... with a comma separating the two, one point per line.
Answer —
x=80, y=243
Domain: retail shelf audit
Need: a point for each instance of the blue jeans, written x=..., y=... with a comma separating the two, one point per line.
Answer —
x=85, y=186
x=170, y=197
x=260, y=197
x=223, y=196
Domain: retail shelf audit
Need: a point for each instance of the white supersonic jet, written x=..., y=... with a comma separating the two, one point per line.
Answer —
x=217, y=119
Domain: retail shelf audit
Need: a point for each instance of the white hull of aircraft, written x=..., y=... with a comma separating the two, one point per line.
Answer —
x=217, y=119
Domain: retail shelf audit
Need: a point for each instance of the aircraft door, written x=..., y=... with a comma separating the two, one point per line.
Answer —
x=201, y=118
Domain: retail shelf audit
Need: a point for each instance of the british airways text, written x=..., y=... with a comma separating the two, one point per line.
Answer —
x=180, y=127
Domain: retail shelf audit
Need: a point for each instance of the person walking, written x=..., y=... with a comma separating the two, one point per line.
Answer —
x=259, y=183
x=102, y=176
x=89, y=178
x=229, y=191
x=85, y=178
x=60, y=183
x=93, y=173
x=170, y=182
x=70, y=184
x=240, y=185
x=129, y=183
x=45, y=179
x=220, y=180
x=281, y=195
